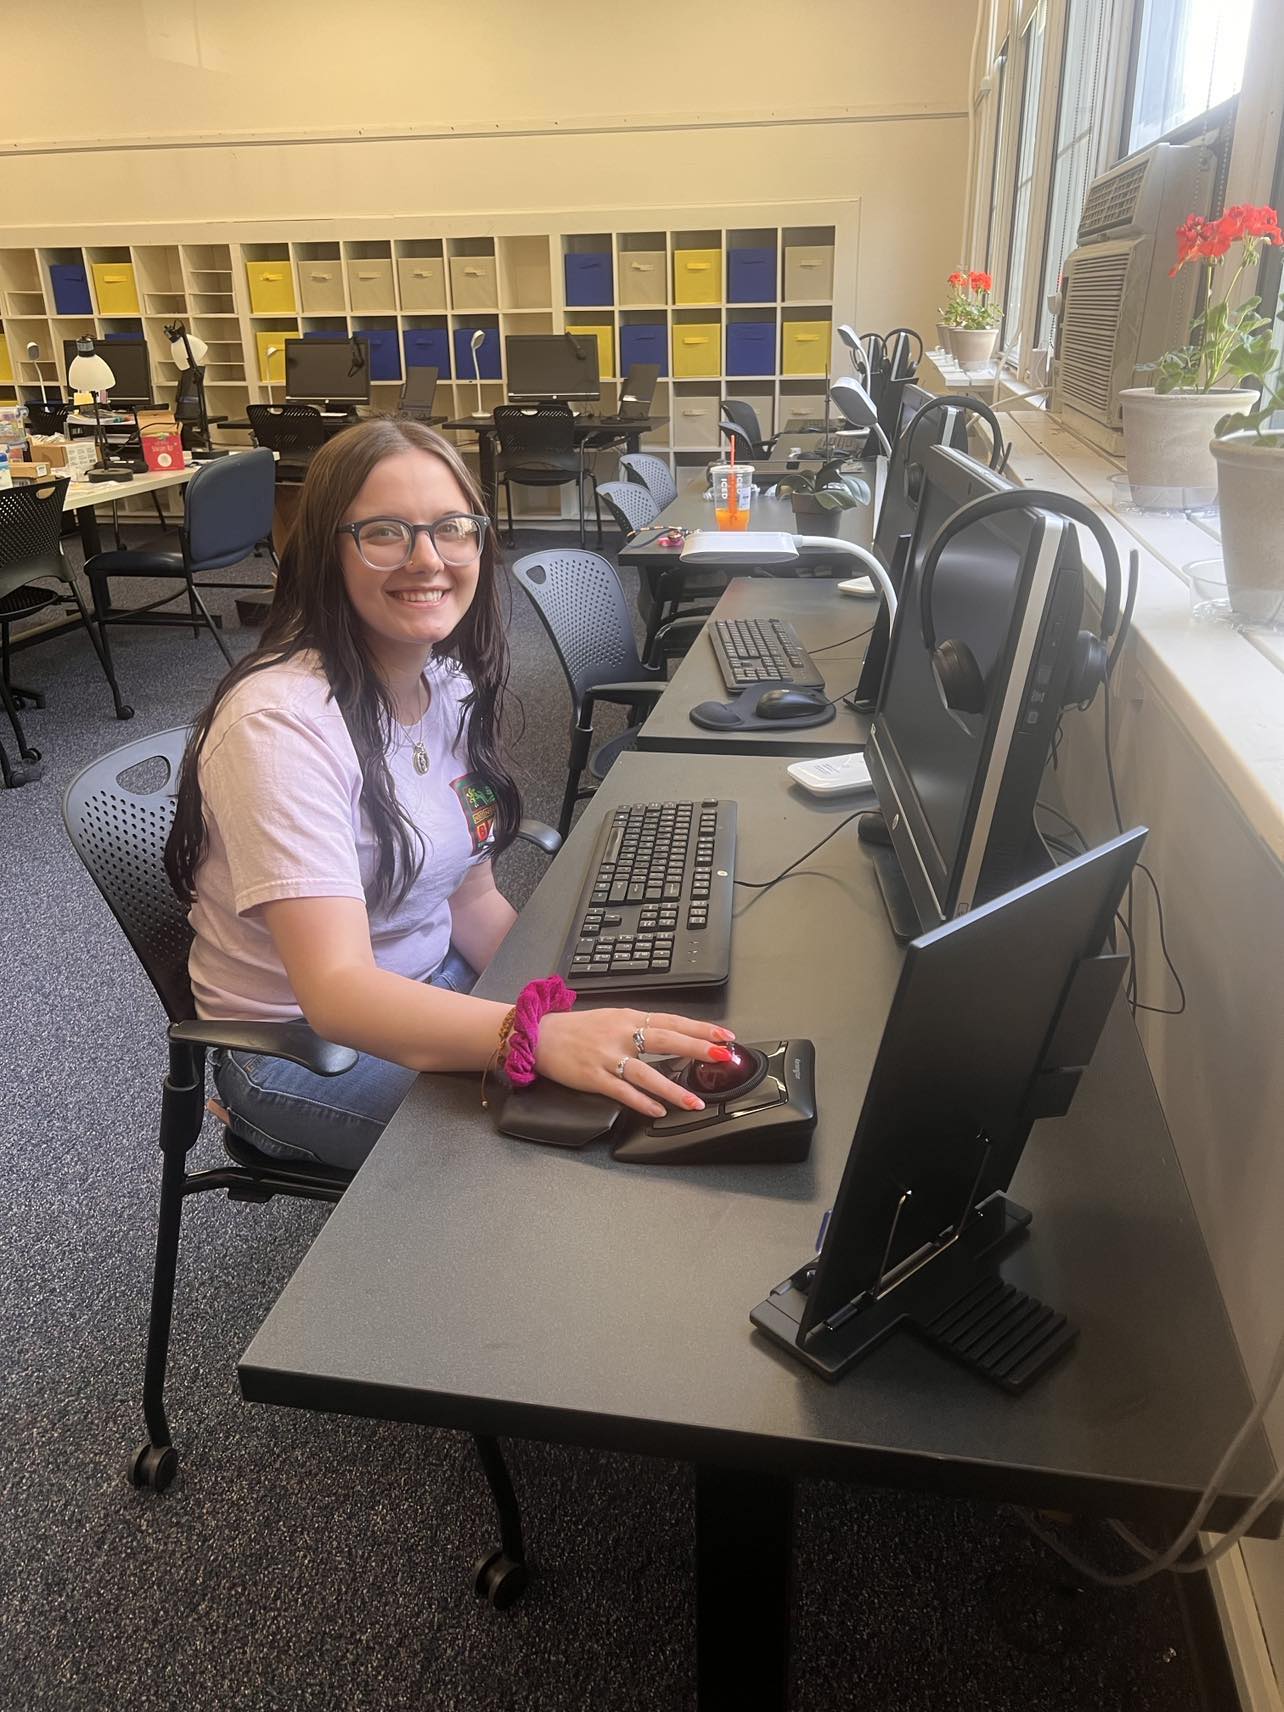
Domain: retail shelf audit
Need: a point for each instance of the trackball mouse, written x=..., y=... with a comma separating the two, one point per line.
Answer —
x=790, y=703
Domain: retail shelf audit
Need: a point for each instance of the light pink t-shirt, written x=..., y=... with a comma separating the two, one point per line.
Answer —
x=281, y=788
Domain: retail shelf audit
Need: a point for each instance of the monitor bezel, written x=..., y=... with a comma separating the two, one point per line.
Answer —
x=295, y=349
x=104, y=348
x=529, y=395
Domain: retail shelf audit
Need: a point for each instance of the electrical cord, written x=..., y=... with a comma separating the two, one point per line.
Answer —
x=825, y=648
x=765, y=885
x=1159, y=1561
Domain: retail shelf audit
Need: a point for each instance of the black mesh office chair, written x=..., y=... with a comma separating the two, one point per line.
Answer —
x=662, y=594
x=227, y=512
x=30, y=548
x=537, y=449
x=743, y=418
x=47, y=415
x=295, y=432
x=119, y=832
x=653, y=473
x=581, y=605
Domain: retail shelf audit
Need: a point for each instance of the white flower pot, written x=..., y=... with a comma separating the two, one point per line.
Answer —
x=1166, y=442
x=1250, y=494
x=973, y=347
x=942, y=336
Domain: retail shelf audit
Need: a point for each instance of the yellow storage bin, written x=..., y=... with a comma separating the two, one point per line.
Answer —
x=115, y=288
x=697, y=350
x=804, y=347
x=271, y=287
x=604, y=333
x=272, y=369
x=6, y=362
x=697, y=276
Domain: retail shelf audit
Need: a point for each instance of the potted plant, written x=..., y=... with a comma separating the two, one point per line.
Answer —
x=819, y=500
x=970, y=319
x=1167, y=426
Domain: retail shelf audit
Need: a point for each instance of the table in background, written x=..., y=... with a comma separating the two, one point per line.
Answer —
x=482, y=1284
x=612, y=431
x=820, y=615
x=82, y=496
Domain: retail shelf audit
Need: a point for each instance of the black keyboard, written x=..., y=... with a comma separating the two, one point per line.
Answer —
x=761, y=651
x=656, y=907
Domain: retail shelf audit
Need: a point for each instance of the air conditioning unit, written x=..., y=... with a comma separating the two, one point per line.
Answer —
x=1119, y=308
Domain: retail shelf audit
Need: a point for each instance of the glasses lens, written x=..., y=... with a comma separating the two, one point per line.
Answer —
x=384, y=544
x=457, y=540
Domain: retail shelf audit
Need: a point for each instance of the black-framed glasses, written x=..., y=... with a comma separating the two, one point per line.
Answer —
x=388, y=543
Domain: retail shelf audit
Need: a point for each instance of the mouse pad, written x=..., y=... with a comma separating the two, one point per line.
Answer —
x=740, y=713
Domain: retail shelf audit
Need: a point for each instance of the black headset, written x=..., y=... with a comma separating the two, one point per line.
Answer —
x=889, y=340
x=960, y=679
x=913, y=473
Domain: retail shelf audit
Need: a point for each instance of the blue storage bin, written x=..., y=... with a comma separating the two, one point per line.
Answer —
x=644, y=343
x=588, y=280
x=487, y=355
x=385, y=358
x=70, y=288
x=751, y=347
x=751, y=276
x=428, y=348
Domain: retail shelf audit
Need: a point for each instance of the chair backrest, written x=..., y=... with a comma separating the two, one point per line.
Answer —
x=582, y=607
x=119, y=833
x=654, y=474
x=287, y=428
x=47, y=416
x=228, y=509
x=531, y=433
x=30, y=530
x=631, y=505
x=746, y=453
x=744, y=417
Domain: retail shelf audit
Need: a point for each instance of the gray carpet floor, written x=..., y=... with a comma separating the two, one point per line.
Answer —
x=308, y=1562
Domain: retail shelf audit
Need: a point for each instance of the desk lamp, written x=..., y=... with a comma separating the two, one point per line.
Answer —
x=475, y=344
x=859, y=355
x=189, y=352
x=859, y=409
x=88, y=372
x=33, y=356
x=272, y=351
x=764, y=548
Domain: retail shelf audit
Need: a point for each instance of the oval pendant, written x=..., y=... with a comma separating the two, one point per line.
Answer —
x=420, y=755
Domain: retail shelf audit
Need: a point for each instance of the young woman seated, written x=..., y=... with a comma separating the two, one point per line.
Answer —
x=340, y=805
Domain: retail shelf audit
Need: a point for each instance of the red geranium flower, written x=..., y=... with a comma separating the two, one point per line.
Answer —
x=980, y=281
x=957, y=280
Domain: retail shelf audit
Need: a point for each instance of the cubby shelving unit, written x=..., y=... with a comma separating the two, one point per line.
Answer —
x=736, y=302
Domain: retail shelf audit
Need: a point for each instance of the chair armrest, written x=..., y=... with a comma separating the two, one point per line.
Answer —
x=292, y=1040
x=650, y=689
x=546, y=838
x=693, y=621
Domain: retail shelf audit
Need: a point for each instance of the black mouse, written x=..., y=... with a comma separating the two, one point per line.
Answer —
x=790, y=703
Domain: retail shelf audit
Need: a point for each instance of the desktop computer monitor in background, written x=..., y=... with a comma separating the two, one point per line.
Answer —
x=338, y=368
x=637, y=391
x=957, y=791
x=551, y=365
x=420, y=390
x=900, y=504
x=128, y=361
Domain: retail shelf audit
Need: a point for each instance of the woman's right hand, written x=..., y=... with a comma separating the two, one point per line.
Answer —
x=584, y=1049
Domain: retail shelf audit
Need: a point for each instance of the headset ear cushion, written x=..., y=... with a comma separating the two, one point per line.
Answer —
x=1088, y=672
x=961, y=680
x=914, y=482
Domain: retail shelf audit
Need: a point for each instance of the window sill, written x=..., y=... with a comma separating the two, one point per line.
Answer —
x=1224, y=686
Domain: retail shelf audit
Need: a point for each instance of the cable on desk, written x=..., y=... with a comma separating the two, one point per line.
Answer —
x=825, y=647
x=765, y=885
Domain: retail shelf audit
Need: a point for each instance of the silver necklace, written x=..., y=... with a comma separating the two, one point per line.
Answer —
x=418, y=754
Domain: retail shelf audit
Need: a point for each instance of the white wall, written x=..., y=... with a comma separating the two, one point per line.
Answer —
x=262, y=110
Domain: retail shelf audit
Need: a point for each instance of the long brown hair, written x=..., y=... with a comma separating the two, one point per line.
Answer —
x=311, y=610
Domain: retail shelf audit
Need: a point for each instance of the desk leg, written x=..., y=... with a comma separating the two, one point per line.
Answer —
x=744, y=1546
x=90, y=540
x=486, y=471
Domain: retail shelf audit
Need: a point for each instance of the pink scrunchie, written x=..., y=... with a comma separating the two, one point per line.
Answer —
x=536, y=1000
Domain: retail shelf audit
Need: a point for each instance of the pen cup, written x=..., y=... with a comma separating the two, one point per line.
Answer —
x=732, y=492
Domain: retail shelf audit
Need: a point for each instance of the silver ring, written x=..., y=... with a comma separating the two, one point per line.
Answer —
x=639, y=1039
x=619, y=1069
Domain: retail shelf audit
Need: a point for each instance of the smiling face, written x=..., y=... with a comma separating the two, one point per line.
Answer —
x=405, y=613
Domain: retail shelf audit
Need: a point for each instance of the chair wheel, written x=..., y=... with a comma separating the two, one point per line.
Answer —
x=500, y=1580
x=153, y=1466
x=124, y=712
x=30, y=755
x=19, y=776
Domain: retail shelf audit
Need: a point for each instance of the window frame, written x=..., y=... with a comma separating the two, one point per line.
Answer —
x=1212, y=118
x=1018, y=362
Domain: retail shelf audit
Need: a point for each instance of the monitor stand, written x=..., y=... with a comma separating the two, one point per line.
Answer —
x=902, y=913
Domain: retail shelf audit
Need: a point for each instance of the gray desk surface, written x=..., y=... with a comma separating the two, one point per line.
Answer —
x=689, y=511
x=474, y=1282
x=820, y=614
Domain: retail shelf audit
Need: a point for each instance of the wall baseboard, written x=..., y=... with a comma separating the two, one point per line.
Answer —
x=1250, y=1660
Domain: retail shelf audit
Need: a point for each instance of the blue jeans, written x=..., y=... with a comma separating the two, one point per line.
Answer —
x=292, y=1113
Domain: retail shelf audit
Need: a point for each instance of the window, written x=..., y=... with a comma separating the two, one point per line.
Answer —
x=1188, y=56
x=1075, y=150
x=996, y=139
x=1023, y=183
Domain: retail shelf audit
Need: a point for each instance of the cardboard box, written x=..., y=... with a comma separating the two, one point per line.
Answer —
x=20, y=470
x=70, y=455
x=161, y=439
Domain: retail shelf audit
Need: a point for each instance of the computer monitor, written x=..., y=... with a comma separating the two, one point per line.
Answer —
x=420, y=390
x=551, y=365
x=128, y=361
x=957, y=791
x=994, y=1019
x=899, y=505
x=333, y=366
x=637, y=392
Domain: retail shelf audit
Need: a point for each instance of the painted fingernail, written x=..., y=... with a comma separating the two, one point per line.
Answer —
x=720, y=1054
x=724, y=1034
x=692, y=1104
